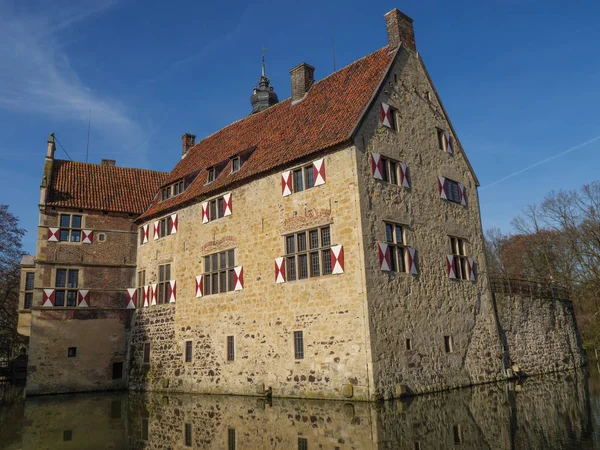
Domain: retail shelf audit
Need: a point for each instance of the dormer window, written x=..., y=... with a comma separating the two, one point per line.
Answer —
x=211, y=175
x=235, y=164
x=178, y=188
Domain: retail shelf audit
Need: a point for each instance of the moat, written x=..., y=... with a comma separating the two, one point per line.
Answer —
x=557, y=411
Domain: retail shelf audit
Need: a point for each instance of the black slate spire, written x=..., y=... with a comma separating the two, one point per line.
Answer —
x=264, y=95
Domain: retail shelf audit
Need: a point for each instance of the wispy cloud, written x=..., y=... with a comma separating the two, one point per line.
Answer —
x=36, y=75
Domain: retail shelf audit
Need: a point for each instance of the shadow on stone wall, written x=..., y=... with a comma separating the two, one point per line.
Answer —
x=549, y=412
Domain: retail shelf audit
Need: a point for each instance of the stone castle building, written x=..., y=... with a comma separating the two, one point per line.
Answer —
x=329, y=246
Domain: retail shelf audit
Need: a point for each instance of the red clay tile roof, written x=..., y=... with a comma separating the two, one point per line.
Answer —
x=107, y=188
x=284, y=132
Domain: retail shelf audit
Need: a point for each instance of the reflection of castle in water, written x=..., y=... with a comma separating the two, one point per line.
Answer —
x=549, y=412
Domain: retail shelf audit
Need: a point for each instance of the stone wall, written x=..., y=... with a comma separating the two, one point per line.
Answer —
x=541, y=334
x=100, y=338
x=425, y=307
x=329, y=310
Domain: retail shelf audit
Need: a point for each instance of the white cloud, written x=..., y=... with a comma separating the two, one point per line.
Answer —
x=37, y=78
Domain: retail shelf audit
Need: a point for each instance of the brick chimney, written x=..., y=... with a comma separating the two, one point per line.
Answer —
x=400, y=30
x=303, y=77
x=108, y=162
x=187, y=142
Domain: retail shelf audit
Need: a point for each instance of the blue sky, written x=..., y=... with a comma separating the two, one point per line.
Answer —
x=519, y=79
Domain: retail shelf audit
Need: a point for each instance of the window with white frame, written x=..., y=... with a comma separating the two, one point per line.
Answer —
x=395, y=238
x=164, y=276
x=70, y=228
x=308, y=254
x=66, y=285
x=218, y=272
x=459, y=252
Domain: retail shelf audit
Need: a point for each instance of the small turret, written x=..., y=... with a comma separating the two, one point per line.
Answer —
x=264, y=96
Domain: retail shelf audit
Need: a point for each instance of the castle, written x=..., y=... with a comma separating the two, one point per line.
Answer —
x=326, y=246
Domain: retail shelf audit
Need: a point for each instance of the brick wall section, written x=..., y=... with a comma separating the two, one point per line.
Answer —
x=542, y=335
x=100, y=337
x=263, y=316
x=426, y=307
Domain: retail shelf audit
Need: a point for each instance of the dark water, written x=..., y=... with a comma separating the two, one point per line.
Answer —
x=560, y=411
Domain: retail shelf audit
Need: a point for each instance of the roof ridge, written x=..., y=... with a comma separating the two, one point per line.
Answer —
x=109, y=167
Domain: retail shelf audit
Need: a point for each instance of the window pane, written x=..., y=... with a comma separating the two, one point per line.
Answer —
x=393, y=173
x=188, y=351
x=236, y=164
x=220, y=206
x=230, y=258
x=389, y=230
x=206, y=284
x=298, y=345
x=76, y=222
x=399, y=235
x=289, y=245
x=59, y=298
x=207, y=264
x=214, y=262
x=61, y=278
x=325, y=237
x=230, y=281
x=326, y=262
x=392, y=250
x=290, y=269
x=161, y=273
x=169, y=225
x=29, y=277
x=176, y=189
x=167, y=272
x=28, y=301
x=230, y=349
x=401, y=265
x=301, y=242
x=314, y=238
x=75, y=236
x=71, y=298
x=73, y=278
x=65, y=221
x=64, y=235
x=309, y=176
x=298, y=186
x=314, y=264
x=223, y=281
x=215, y=283
x=384, y=171
x=222, y=260
x=302, y=266
x=212, y=210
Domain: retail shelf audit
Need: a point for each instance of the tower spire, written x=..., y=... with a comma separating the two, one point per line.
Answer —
x=264, y=95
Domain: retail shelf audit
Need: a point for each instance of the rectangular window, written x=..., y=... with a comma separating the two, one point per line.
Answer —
x=443, y=142
x=117, y=370
x=67, y=435
x=302, y=444
x=308, y=254
x=459, y=251
x=115, y=409
x=230, y=349
x=231, y=439
x=211, y=175
x=188, y=351
x=72, y=352
x=452, y=190
x=66, y=284
x=394, y=236
x=309, y=177
x=145, y=429
x=298, y=345
x=164, y=276
x=448, y=344
x=29, y=280
x=141, y=282
x=218, y=272
x=146, y=352
x=235, y=164
x=216, y=208
x=390, y=171
x=188, y=434
x=70, y=228
x=303, y=178
x=409, y=344
x=28, y=303
x=458, y=437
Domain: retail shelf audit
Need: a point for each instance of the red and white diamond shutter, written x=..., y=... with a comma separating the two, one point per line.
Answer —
x=199, y=286
x=448, y=142
x=153, y=293
x=205, y=212
x=412, y=262
x=442, y=188
x=376, y=166
x=53, y=234
x=286, y=183
x=145, y=231
x=383, y=253
x=228, y=204
x=87, y=236
x=48, y=297
x=461, y=194
x=319, y=172
x=337, y=259
x=146, y=296
x=405, y=175
x=131, y=298
x=83, y=298
x=172, y=291
x=471, y=269
x=385, y=115
x=174, y=224
x=156, y=229
x=451, y=267
x=238, y=278
x=280, y=270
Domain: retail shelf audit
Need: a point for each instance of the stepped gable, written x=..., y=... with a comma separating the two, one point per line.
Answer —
x=283, y=133
x=102, y=187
